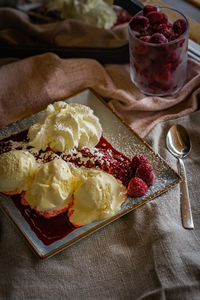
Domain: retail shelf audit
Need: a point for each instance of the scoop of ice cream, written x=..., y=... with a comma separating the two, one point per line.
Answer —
x=94, y=12
x=64, y=127
x=52, y=187
x=98, y=195
x=17, y=169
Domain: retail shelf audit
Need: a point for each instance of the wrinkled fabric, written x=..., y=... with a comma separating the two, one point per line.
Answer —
x=16, y=27
x=144, y=255
x=47, y=78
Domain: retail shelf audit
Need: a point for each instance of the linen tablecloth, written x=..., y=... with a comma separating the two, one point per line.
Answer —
x=146, y=254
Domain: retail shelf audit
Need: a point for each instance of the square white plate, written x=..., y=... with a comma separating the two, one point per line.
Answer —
x=123, y=139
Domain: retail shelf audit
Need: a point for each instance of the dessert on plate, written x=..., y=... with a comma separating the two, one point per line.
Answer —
x=17, y=170
x=51, y=191
x=63, y=167
x=99, y=13
x=95, y=12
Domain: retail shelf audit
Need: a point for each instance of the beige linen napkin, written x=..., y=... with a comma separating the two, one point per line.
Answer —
x=144, y=255
x=16, y=27
x=28, y=85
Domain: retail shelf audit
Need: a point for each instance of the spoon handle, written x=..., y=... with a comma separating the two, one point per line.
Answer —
x=185, y=199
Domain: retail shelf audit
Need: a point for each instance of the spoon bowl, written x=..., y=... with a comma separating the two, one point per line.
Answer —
x=179, y=144
x=178, y=141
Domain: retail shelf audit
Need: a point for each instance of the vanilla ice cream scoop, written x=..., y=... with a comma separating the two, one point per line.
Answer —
x=98, y=195
x=64, y=127
x=52, y=187
x=95, y=12
x=17, y=170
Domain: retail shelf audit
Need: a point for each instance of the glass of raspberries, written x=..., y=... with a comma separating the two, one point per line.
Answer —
x=158, y=42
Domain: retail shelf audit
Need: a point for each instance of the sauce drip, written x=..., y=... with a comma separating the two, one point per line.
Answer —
x=47, y=230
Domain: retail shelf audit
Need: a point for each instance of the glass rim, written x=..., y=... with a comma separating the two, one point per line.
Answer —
x=131, y=32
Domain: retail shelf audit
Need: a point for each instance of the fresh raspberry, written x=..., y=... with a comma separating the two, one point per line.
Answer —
x=125, y=174
x=139, y=23
x=149, y=31
x=179, y=26
x=137, y=160
x=145, y=172
x=145, y=38
x=157, y=18
x=163, y=28
x=137, y=187
x=148, y=8
x=158, y=38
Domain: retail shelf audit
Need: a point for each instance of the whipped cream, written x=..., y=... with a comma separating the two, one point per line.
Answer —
x=17, y=170
x=98, y=195
x=95, y=12
x=52, y=187
x=64, y=127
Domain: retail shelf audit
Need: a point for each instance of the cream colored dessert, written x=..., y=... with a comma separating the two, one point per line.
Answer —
x=98, y=195
x=17, y=170
x=52, y=187
x=64, y=127
x=95, y=12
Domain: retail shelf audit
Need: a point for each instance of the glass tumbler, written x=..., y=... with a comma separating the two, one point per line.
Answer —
x=159, y=68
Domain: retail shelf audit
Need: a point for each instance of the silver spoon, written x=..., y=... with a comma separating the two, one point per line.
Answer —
x=178, y=143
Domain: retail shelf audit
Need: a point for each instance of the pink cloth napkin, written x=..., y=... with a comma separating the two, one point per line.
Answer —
x=28, y=85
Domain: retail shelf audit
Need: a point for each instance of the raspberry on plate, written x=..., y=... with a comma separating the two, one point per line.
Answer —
x=145, y=172
x=137, y=160
x=137, y=187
